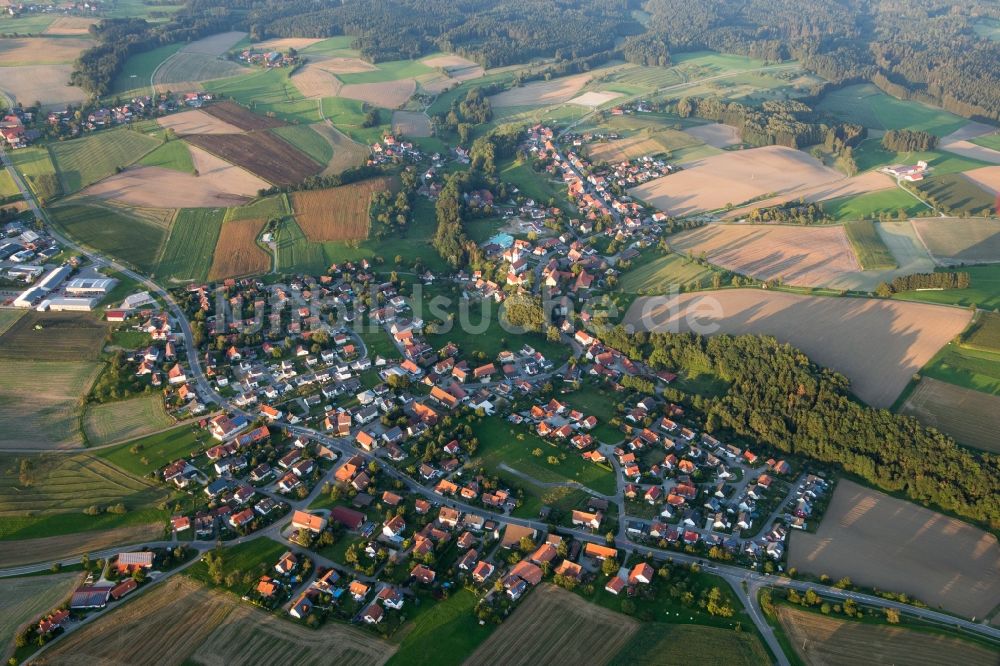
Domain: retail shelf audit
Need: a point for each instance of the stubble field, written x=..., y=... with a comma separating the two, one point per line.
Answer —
x=125, y=419
x=542, y=93
x=44, y=83
x=556, y=626
x=798, y=255
x=16, y=51
x=339, y=213
x=863, y=183
x=411, y=123
x=988, y=178
x=876, y=344
x=24, y=600
x=237, y=252
x=53, y=336
x=952, y=241
x=971, y=417
x=41, y=403
x=733, y=178
x=833, y=642
x=383, y=94
x=640, y=145
x=718, y=135
x=881, y=541
x=64, y=546
x=315, y=82
x=196, y=121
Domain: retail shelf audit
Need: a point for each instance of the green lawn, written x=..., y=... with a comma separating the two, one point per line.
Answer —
x=84, y=161
x=191, y=244
x=443, y=633
x=985, y=334
x=983, y=290
x=988, y=141
x=268, y=91
x=308, y=141
x=338, y=46
x=348, y=115
x=868, y=245
x=538, y=186
x=597, y=401
x=502, y=442
x=865, y=104
x=35, y=164
x=8, y=187
x=657, y=274
x=156, y=451
x=138, y=70
x=388, y=71
x=714, y=61
x=979, y=370
x=873, y=204
x=170, y=155
x=257, y=557
x=107, y=230
x=274, y=206
x=871, y=155
x=954, y=194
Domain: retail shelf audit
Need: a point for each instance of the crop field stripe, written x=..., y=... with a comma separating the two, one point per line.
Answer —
x=868, y=245
x=84, y=161
x=107, y=230
x=188, y=251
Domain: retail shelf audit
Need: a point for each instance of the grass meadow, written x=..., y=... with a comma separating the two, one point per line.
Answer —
x=142, y=456
x=190, y=247
x=113, y=232
x=171, y=155
x=868, y=246
x=84, y=161
x=125, y=419
x=308, y=141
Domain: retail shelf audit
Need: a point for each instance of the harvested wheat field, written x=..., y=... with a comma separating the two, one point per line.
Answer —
x=197, y=121
x=829, y=641
x=41, y=402
x=639, y=145
x=958, y=142
x=218, y=184
x=971, y=417
x=386, y=94
x=315, y=82
x=878, y=345
x=237, y=252
x=411, y=123
x=346, y=153
x=869, y=181
x=542, y=93
x=44, y=83
x=24, y=600
x=718, y=135
x=593, y=99
x=988, y=178
x=881, y=541
x=798, y=255
x=28, y=551
x=16, y=51
x=952, y=241
x=556, y=626
x=732, y=178
x=339, y=213
x=342, y=65
x=449, y=61
x=70, y=25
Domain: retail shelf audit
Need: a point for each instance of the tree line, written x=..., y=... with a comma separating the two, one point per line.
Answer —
x=942, y=280
x=908, y=141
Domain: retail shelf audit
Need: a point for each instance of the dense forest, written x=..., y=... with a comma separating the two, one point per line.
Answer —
x=908, y=141
x=779, y=399
x=782, y=123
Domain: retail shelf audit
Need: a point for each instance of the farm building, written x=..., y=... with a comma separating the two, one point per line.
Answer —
x=90, y=286
x=90, y=597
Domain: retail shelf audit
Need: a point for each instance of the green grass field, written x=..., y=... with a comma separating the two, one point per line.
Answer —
x=190, y=246
x=138, y=69
x=347, y=115
x=82, y=162
x=61, y=487
x=126, y=419
x=8, y=187
x=334, y=46
x=659, y=273
x=35, y=164
x=41, y=402
x=983, y=290
x=258, y=557
x=171, y=155
x=8, y=318
x=988, y=141
x=534, y=185
x=954, y=194
x=971, y=368
x=450, y=626
x=706, y=646
x=274, y=206
x=869, y=106
x=308, y=141
x=871, y=155
x=502, y=443
x=268, y=91
x=874, y=204
x=296, y=252
x=985, y=333
x=868, y=245
x=128, y=238
x=142, y=456
x=388, y=71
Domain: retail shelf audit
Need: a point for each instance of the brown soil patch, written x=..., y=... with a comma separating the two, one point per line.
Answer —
x=387, y=94
x=556, y=626
x=219, y=184
x=197, y=121
x=70, y=25
x=803, y=256
x=971, y=417
x=719, y=135
x=41, y=50
x=542, y=93
x=733, y=178
x=237, y=252
x=828, y=641
x=952, y=241
x=29, y=551
x=870, y=181
x=315, y=82
x=44, y=83
x=411, y=123
x=881, y=541
x=877, y=344
x=261, y=153
x=339, y=213
x=246, y=120
x=987, y=178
